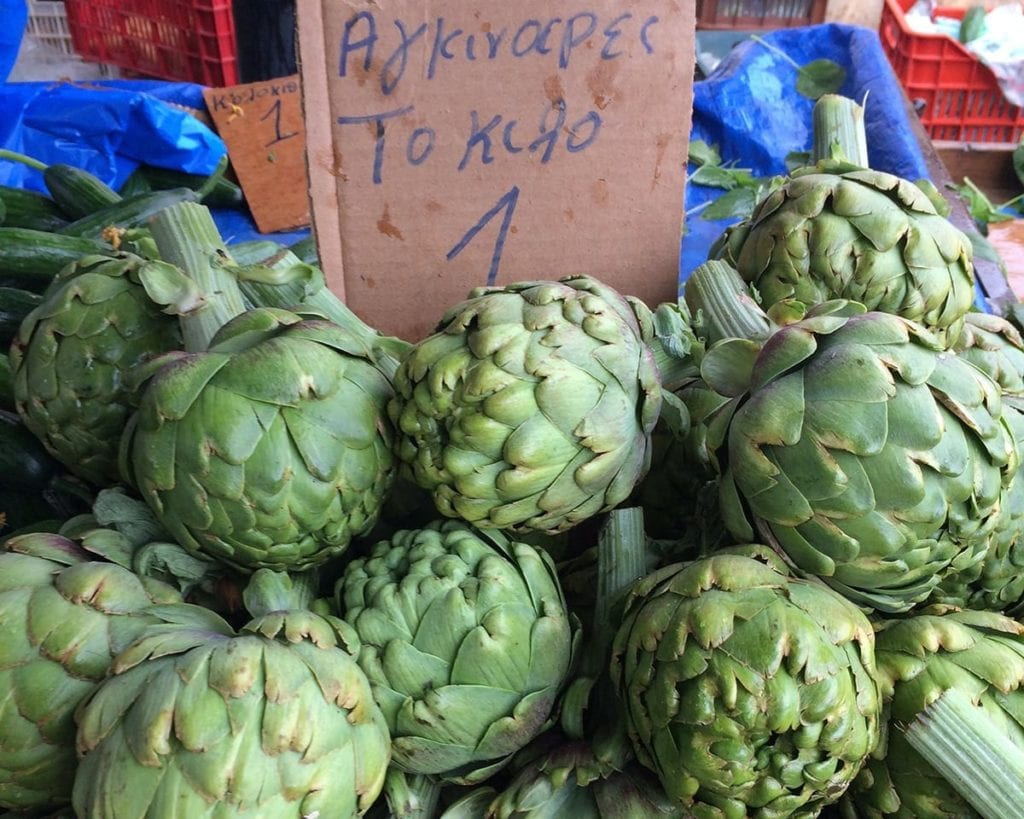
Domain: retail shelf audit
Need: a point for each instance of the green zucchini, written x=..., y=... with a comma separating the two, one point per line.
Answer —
x=31, y=258
x=30, y=209
x=223, y=194
x=15, y=304
x=77, y=192
x=128, y=213
x=22, y=512
x=6, y=383
x=3, y=211
x=25, y=464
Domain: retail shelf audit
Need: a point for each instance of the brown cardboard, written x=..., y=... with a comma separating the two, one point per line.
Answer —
x=569, y=121
x=261, y=123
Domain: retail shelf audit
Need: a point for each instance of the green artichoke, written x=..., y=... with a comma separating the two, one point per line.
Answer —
x=994, y=345
x=559, y=778
x=200, y=721
x=64, y=615
x=73, y=357
x=466, y=641
x=532, y=407
x=978, y=652
x=857, y=447
x=747, y=691
x=272, y=449
x=856, y=234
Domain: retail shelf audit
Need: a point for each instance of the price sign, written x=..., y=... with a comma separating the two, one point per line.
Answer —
x=453, y=145
x=261, y=123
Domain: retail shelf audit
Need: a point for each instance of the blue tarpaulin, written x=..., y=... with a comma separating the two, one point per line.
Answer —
x=748, y=107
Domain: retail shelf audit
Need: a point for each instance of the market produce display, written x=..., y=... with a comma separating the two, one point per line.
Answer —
x=569, y=555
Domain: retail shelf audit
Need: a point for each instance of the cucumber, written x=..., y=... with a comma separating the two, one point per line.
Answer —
x=77, y=192
x=223, y=194
x=15, y=304
x=31, y=258
x=30, y=209
x=128, y=213
x=25, y=464
x=3, y=211
x=135, y=184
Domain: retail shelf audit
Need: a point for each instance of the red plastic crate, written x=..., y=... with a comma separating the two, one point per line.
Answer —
x=188, y=40
x=759, y=14
x=962, y=101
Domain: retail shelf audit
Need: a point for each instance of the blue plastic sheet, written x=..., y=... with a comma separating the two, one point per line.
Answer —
x=13, y=17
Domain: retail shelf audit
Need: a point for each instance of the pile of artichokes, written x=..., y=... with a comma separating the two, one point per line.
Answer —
x=329, y=573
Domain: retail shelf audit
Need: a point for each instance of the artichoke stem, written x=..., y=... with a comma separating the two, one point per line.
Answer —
x=839, y=131
x=722, y=305
x=287, y=282
x=411, y=796
x=962, y=743
x=621, y=561
x=187, y=237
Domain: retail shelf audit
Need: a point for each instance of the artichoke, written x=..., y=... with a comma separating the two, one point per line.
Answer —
x=200, y=721
x=836, y=230
x=73, y=357
x=466, y=641
x=747, y=691
x=271, y=449
x=64, y=615
x=860, y=449
x=533, y=405
x=559, y=778
x=977, y=652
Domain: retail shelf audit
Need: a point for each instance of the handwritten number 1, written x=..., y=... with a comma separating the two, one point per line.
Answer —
x=275, y=109
x=508, y=204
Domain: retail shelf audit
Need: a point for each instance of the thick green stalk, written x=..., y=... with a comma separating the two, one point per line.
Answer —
x=31, y=162
x=187, y=238
x=722, y=305
x=621, y=560
x=411, y=796
x=962, y=743
x=839, y=131
x=285, y=281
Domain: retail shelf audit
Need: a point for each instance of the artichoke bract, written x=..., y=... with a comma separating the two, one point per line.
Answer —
x=466, y=641
x=981, y=654
x=858, y=447
x=200, y=721
x=270, y=450
x=73, y=356
x=839, y=230
x=532, y=407
x=747, y=691
x=64, y=615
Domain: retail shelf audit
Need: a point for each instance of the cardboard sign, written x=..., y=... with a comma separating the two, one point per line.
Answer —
x=261, y=124
x=452, y=145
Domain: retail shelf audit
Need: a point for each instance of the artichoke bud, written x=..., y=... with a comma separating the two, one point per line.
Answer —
x=532, y=407
x=202, y=718
x=466, y=640
x=745, y=686
x=270, y=450
x=74, y=357
x=979, y=653
x=66, y=617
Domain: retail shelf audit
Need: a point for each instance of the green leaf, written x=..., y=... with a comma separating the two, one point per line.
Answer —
x=715, y=176
x=703, y=154
x=982, y=209
x=973, y=24
x=737, y=203
x=820, y=77
x=129, y=516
